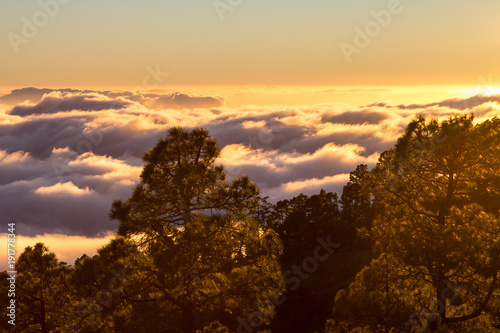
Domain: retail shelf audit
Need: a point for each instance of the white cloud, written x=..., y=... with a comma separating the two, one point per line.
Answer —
x=63, y=189
x=66, y=154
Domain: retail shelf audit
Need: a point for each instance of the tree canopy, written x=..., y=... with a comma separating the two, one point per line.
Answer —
x=439, y=190
x=206, y=251
x=412, y=245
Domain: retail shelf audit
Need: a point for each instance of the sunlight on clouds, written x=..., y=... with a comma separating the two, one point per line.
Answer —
x=300, y=186
x=67, y=248
x=6, y=119
x=487, y=88
x=90, y=160
x=348, y=153
x=121, y=174
x=69, y=156
x=234, y=154
x=487, y=111
x=254, y=124
x=237, y=155
x=16, y=157
x=308, y=187
x=63, y=152
x=63, y=189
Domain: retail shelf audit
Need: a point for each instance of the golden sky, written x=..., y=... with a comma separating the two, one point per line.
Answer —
x=92, y=43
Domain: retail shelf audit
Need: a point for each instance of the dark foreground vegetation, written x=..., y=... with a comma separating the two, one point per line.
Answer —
x=412, y=245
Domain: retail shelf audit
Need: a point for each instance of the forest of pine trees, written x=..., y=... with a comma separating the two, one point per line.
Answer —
x=412, y=245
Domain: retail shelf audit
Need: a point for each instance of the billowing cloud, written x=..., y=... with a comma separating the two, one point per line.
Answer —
x=29, y=94
x=35, y=101
x=452, y=103
x=66, y=192
x=311, y=186
x=270, y=169
x=66, y=154
x=182, y=101
x=58, y=102
x=63, y=189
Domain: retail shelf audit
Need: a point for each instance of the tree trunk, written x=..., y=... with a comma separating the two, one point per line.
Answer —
x=441, y=296
x=186, y=214
x=187, y=319
x=42, y=316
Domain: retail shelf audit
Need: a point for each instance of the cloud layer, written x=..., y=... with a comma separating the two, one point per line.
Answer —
x=66, y=154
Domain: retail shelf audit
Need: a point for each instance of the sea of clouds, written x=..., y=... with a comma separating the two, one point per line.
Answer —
x=67, y=154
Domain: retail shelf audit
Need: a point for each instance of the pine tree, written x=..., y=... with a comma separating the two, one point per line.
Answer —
x=208, y=255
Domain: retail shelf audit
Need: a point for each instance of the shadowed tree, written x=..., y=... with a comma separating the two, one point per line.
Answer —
x=300, y=221
x=357, y=209
x=207, y=254
x=440, y=190
x=43, y=285
x=102, y=287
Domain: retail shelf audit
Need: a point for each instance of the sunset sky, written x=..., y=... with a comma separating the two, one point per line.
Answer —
x=297, y=93
x=109, y=43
